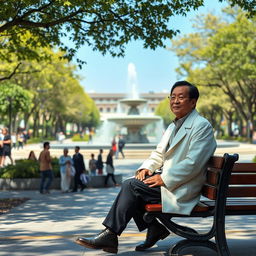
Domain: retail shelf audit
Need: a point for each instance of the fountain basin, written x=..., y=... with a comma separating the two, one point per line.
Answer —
x=134, y=120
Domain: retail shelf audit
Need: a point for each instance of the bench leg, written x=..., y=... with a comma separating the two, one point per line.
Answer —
x=220, y=239
x=174, y=251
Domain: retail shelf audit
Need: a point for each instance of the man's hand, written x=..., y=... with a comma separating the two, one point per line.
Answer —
x=141, y=174
x=154, y=181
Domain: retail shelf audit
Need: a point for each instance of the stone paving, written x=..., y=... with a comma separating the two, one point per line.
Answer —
x=48, y=224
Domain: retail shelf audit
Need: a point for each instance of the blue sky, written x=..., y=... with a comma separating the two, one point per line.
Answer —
x=155, y=68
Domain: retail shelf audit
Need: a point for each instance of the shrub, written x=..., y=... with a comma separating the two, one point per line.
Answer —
x=77, y=137
x=254, y=160
x=25, y=168
x=35, y=140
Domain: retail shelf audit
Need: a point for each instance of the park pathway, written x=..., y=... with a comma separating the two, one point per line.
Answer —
x=48, y=224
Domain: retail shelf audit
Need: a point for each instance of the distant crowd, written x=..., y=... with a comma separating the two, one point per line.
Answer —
x=73, y=169
x=73, y=172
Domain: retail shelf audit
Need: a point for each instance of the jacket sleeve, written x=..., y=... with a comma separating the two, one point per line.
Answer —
x=82, y=162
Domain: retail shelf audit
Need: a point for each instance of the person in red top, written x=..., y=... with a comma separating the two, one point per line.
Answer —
x=45, y=169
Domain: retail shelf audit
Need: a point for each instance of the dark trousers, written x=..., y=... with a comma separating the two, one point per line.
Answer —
x=110, y=175
x=130, y=203
x=120, y=150
x=78, y=182
x=46, y=175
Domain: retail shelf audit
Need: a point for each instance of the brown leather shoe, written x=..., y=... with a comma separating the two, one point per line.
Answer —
x=105, y=240
x=156, y=231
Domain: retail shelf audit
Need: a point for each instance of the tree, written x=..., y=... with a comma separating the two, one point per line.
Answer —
x=222, y=55
x=106, y=26
x=14, y=100
x=58, y=97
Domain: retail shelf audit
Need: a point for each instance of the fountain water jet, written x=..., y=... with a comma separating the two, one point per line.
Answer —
x=134, y=120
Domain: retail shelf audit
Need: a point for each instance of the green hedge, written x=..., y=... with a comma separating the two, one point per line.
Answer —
x=35, y=140
x=24, y=168
x=77, y=137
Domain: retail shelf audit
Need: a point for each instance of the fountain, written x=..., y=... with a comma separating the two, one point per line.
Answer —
x=133, y=119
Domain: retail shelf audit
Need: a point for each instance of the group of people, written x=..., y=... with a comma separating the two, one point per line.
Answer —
x=117, y=146
x=69, y=167
x=72, y=168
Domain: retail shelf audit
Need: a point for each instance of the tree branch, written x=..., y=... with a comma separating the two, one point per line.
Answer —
x=12, y=74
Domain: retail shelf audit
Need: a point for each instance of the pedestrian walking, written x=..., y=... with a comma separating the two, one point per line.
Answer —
x=93, y=165
x=66, y=170
x=45, y=169
x=100, y=163
x=79, y=165
x=113, y=145
x=20, y=140
x=14, y=140
x=110, y=167
x=121, y=144
x=6, y=147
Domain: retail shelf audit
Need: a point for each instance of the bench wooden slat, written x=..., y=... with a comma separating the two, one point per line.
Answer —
x=236, y=205
x=201, y=207
x=243, y=178
x=236, y=178
x=242, y=191
x=244, y=167
x=232, y=205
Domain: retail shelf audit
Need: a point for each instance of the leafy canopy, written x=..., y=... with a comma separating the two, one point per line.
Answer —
x=104, y=25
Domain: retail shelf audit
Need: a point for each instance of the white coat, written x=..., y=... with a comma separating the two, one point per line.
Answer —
x=183, y=164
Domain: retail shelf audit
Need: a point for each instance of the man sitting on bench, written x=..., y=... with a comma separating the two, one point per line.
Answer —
x=173, y=175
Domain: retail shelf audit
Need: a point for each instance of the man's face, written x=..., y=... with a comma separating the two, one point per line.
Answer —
x=76, y=150
x=180, y=103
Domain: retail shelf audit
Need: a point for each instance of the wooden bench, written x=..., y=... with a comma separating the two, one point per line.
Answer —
x=230, y=189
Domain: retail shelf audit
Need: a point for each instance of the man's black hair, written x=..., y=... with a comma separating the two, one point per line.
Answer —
x=47, y=143
x=193, y=91
x=78, y=147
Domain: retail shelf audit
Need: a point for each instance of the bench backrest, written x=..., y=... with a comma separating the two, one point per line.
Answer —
x=243, y=180
x=218, y=166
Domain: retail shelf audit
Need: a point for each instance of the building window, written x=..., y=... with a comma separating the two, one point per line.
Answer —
x=153, y=109
x=108, y=110
x=101, y=109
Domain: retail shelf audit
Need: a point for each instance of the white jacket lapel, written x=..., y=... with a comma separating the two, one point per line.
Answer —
x=183, y=130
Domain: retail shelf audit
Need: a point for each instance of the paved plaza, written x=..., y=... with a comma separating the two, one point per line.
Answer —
x=48, y=224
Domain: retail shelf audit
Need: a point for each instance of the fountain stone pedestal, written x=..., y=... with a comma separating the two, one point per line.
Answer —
x=134, y=121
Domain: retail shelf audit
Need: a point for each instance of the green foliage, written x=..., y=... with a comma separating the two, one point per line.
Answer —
x=14, y=96
x=57, y=96
x=22, y=169
x=254, y=160
x=25, y=168
x=36, y=140
x=106, y=26
x=77, y=137
x=220, y=58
